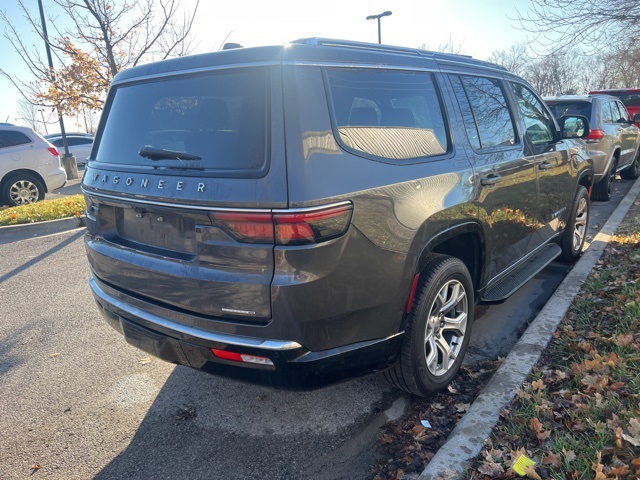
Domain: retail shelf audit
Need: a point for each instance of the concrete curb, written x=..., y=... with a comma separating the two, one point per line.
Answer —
x=467, y=439
x=12, y=233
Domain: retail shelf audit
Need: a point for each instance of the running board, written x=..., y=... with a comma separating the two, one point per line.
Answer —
x=506, y=286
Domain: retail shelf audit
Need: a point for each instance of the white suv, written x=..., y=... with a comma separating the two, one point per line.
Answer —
x=29, y=166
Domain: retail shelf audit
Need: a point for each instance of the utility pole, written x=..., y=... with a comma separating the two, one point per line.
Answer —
x=68, y=160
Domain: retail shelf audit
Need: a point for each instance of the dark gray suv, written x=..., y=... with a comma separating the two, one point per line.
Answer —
x=301, y=214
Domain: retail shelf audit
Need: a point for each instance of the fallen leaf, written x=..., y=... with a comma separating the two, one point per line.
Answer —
x=619, y=471
x=569, y=455
x=535, y=425
x=144, y=361
x=552, y=459
x=53, y=355
x=635, y=441
x=538, y=385
x=530, y=471
x=462, y=407
x=491, y=469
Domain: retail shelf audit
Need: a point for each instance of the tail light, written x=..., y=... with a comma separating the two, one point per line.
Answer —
x=53, y=151
x=299, y=227
x=596, y=134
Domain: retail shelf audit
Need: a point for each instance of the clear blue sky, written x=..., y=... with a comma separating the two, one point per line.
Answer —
x=479, y=27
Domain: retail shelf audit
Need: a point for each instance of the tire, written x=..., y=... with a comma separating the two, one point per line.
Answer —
x=575, y=231
x=22, y=189
x=438, y=328
x=632, y=171
x=603, y=190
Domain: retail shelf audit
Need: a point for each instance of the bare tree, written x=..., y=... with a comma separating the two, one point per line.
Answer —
x=447, y=47
x=516, y=59
x=28, y=113
x=100, y=38
x=561, y=24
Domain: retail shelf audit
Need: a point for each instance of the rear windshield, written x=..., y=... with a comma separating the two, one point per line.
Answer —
x=387, y=114
x=629, y=99
x=214, y=122
x=570, y=108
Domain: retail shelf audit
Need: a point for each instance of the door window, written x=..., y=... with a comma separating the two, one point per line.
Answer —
x=538, y=123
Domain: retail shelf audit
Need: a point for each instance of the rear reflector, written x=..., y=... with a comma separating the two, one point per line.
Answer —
x=412, y=293
x=286, y=228
x=241, y=357
x=53, y=151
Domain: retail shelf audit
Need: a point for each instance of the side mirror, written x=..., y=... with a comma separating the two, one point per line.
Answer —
x=574, y=126
x=636, y=118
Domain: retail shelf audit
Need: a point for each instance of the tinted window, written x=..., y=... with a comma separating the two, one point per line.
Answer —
x=630, y=100
x=389, y=114
x=494, y=124
x=623, y=115
x=220, y=118
x=569, y=108
x=79, y=141
x=609, y=114
x=538, y=124
x=11, y=138
x=465, y=108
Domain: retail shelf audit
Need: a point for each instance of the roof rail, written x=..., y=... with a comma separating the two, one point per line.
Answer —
x=331, y=42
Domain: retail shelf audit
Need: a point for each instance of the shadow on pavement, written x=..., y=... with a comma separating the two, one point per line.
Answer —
x=43, y=255
x=201, y=426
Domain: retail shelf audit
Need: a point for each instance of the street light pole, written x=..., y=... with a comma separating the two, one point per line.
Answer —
x=378, y=17
x=46, y=130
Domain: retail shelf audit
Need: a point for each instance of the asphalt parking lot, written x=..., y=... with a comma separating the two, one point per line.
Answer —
x=81, y=403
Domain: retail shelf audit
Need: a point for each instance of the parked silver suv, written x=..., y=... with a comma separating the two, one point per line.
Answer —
x=29, y=166
x=613, y=141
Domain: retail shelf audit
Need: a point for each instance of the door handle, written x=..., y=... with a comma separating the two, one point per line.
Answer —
x=491, y=180
x=544, y=166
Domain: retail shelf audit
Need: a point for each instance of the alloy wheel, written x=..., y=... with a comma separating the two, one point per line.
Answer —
x=580, y=228
x=22, y=192
x=446, y=328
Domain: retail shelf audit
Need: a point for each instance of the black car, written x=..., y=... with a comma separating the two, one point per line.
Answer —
x=301, y=214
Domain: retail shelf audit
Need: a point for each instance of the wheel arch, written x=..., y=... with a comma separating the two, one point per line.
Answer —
x=465, y=242
x=23, y=171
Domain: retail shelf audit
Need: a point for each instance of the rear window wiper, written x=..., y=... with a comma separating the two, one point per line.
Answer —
x=161, y=154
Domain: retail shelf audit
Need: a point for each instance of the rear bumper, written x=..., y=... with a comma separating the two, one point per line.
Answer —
x=294, y=366
x=56, y=179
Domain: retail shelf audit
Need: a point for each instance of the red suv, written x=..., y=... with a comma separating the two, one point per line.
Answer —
x=629, y=96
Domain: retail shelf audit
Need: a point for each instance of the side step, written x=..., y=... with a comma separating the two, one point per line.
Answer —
x=504, y=287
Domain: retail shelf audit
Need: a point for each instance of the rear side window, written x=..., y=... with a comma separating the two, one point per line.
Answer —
x=485, y=110
x=11, y=138
x=610, y=112
x=214, y=122
x=386, y=113
x=80, y=141
x=623, y=115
